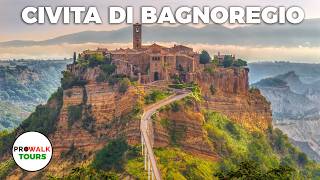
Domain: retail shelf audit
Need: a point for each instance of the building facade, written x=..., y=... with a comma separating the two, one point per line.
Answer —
x=152, y=62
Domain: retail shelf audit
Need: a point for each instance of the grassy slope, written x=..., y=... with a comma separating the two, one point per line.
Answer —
x=235, y=145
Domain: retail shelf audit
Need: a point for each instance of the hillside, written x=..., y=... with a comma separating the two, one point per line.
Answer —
x=291, y=99
x=308, y=73
x=222, y=130
x=23, y=85
x=295, y=108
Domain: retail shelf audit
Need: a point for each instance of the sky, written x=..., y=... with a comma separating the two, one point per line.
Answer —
x=12, y=26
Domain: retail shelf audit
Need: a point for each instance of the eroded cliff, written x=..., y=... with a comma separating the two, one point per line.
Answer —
x=226, y=90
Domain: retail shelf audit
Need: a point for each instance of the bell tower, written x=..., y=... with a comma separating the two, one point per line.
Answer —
x=137, y=33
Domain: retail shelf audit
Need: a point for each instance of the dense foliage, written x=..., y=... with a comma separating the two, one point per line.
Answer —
x=70, y=80
x=244, y=155
x=6, y=167
x=115, y=155
x=204, y=57
x=107, y=71
x=124, y=85
x=156, y=95
x=227, y=61
x=174, y=164
x=271, y=151
x=86, y=173
x=74, y=114
x=240, y=63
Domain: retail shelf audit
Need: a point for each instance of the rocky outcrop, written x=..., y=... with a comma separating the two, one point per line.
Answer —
x=103, y=110
x=183, y=127
x=226, y=90
x=223, y=81
x=252, y=111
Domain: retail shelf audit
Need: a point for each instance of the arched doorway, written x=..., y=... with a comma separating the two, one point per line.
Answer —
x=156, y=76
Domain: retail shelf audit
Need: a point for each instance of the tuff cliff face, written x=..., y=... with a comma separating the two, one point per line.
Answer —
x=102, y=112
x=223, y=81
x=227, y=91
x=104, y=106
x=231, y=97
x=183, y=125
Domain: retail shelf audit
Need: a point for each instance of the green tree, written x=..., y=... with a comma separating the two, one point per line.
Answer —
x=108, y=68
x=240, y=63
x=251, y=170
x=74, y=114
x=227, y=61
x=124, y=85
x=112, y=156
x=204, y=57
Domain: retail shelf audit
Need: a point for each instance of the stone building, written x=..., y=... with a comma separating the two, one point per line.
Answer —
x=152, y=62
x=221, y=57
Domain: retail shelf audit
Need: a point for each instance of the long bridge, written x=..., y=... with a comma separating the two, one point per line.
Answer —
x=146, y=129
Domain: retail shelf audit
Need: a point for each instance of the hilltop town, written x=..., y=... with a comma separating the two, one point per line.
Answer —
x=149, y=63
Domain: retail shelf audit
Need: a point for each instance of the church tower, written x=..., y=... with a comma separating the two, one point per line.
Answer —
x=137, y=36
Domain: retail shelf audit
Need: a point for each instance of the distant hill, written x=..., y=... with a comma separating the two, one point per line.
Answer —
x=289, y=97
x=23, y=86
x=295, y=109
x=304, y=34
x=308, y=73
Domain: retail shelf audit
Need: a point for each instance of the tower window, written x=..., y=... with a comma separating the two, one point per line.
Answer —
x=137, y=29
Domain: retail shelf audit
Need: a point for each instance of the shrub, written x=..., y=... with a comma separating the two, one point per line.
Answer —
x=175, y=107
x=302, y=159
x=6, y=167
x=96, y=59
x=250, y=170
x=204, y=57
x=212, y=89
x=209, y=70
x=112, y=156
x=70, y=80
x=114, y=79
x=87, y=173
x=232, y=129
x=88, y=120
x=227, y=61
x=124, y=85
x=108, y=69
x=240, y=63
x=74, y=114
x=155, y=95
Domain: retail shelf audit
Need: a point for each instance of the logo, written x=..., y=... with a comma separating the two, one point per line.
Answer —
x=32, y=151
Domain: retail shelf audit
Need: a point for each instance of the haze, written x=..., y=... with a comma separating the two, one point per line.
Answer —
x=13, y=28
